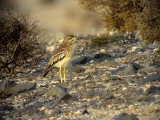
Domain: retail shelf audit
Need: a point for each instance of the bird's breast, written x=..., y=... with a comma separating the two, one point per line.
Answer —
x=64, y=62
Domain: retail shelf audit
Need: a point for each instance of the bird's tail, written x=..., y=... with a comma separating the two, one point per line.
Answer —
x=46, y=71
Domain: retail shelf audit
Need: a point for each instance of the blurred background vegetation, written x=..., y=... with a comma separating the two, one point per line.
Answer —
x=132, y=16
x=128, y=16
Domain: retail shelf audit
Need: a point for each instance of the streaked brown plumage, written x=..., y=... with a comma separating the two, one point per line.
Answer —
x=61, y=57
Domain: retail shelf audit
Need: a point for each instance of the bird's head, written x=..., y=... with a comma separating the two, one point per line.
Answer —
x=70, y=39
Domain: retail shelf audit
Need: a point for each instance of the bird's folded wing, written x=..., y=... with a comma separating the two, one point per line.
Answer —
x=56, y=58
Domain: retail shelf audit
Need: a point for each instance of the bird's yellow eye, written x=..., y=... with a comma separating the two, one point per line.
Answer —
x=74, y=39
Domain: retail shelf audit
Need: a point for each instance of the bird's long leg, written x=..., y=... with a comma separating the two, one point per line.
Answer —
x=64, y=73
x=60, y=74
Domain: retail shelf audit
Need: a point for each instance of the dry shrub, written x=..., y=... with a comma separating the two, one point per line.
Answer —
x=129, y=16
x=148, y=21
x=118, y=14
x=122, y=15
x=19, y=41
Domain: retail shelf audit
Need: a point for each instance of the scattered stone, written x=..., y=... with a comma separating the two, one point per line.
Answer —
x=56, y=111
x=146, y=70
x=125, y=116
x=82, y=60
x=100, y=86
x=108, y=95
x=102, y=56
x=111, y=63
x=1, y=118
x=52, y=118
x=78, y=69
x=56, y=91
x=41, y=92
x=85, y=112
x=105, y=97
x=9, y=87
x=19, y=106
x=131, y=69
x=152, y=90
x=24, y=86
x=102, y=51
x=42, y=108
x=109, y=106
x=139, y=91
x=67, y=97
x=5, y=84
x=119, y=55
x=139, y=50
x=145, y=99
x=119, y=71
x=48, y=111
x=123, y=50
x=132, y=107
x=133, y=48
x=89, y=94
x=150, y=78
x=92, y=61
x=6, y=108
x=32, y=111
x=137, y=66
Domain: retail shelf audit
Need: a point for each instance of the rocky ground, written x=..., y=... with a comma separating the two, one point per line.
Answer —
x=117, y=81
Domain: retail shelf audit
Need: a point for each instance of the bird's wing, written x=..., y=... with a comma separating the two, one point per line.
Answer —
x=58, y=55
